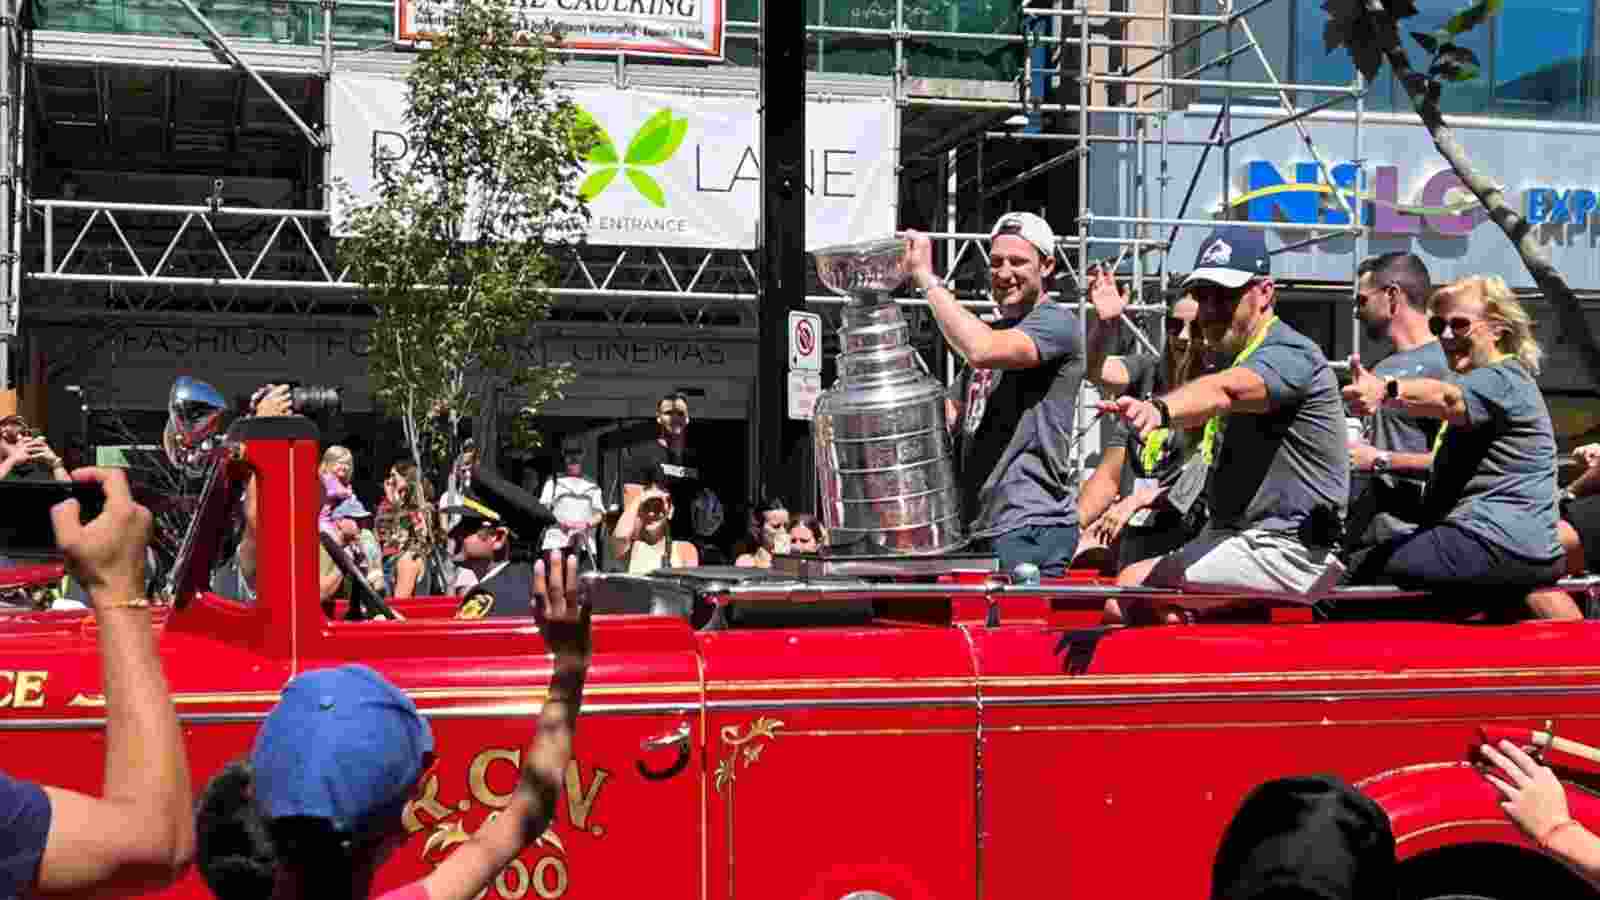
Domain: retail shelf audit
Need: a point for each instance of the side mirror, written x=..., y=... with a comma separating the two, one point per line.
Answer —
x=195, y=424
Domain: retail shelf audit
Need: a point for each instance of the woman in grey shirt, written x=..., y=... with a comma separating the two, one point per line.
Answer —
x=1490, y=504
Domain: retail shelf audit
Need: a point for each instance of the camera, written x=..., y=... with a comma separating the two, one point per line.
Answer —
x=310, y=401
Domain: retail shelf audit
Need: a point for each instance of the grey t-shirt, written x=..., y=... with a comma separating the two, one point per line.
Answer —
x=1496, y=476
x=1286, y=469
x=1399, y=497
x=1017, y=440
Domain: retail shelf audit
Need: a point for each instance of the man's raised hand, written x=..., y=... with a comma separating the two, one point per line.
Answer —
x=105, y=555
x=1108, y=300
x=561, y=604
x=1364, y=394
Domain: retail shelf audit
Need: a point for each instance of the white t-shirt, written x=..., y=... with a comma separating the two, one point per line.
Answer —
x=571, y=499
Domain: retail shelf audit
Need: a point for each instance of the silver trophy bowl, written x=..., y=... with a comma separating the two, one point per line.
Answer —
x=865, y=268
x=883, y=451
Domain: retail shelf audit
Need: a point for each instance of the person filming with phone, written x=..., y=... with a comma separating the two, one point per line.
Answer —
x=26, y=454
x=138, y=834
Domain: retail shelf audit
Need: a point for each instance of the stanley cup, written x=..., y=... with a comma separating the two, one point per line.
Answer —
x=882, y=449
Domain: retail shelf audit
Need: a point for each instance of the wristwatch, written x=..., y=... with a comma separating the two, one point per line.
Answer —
x=1391, y=390
x=1380, y=463
x=1161, y=407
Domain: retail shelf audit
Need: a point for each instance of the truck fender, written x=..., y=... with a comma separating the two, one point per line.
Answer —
x=1444, y=804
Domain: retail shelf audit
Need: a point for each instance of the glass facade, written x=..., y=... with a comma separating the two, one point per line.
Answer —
x=1537, y=59
x=355, y=22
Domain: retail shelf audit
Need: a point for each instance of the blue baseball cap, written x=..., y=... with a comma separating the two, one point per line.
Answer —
x=343, y=745
x=350, y=508
x=1231, y=256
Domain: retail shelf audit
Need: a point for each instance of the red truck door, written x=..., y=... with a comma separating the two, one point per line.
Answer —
x=839, y=759
x=629, y=818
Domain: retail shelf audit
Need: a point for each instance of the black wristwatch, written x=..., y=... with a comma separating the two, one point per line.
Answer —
x=1391, y=389
x=1161, y=407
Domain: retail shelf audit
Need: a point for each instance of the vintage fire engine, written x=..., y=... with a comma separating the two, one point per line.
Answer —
x=932, y=732
x=894, y=726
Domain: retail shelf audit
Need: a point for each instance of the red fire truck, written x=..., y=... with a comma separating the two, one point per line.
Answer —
x=925, y=733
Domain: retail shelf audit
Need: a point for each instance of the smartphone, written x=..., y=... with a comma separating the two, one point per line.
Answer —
x=25, y=529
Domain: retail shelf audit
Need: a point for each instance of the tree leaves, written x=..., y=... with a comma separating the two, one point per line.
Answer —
x=1472, y=16
x=1350, y=25
x=1427, y=42
x=1455, y=63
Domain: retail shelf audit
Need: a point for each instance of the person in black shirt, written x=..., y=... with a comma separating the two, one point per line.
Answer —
x=671, y=453
x=1138, y=500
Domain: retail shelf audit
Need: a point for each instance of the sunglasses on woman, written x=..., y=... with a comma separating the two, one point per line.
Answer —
x=1175, y=325
x=1459, y=325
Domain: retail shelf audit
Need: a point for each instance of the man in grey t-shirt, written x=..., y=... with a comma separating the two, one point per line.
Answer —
x=1280, y=474
x=1389, y=466
x=1017, y=404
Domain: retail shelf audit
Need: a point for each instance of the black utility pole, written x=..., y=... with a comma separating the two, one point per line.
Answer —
x=785, y=459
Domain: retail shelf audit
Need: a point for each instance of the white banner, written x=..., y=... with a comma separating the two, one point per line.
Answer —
x=680, y=28
x=673, y=170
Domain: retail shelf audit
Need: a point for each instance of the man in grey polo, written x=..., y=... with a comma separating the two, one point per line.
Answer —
x=1280, y=472
x=1018, y=398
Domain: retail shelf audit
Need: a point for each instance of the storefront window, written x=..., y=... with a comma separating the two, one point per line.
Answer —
x=1535, y=59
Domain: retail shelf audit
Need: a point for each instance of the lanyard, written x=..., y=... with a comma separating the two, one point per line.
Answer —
x=1151, y=454
x=1214, y=424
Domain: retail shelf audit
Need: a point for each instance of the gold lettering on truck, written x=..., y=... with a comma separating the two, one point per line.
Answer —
x=546, y=876
x=22, y=689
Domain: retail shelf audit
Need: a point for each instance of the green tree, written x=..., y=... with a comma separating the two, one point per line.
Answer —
x=453, y=247
x=1370, y=31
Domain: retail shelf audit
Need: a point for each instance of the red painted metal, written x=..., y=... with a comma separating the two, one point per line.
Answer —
x=983, y=744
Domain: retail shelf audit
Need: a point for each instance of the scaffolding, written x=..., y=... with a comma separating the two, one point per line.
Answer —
x=1122, y=61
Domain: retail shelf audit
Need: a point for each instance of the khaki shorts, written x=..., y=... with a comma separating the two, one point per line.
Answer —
x=1251, y=561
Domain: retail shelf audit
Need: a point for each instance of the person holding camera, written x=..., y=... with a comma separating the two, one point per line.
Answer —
x=138, y=833
x=318, y=805
x=643, y=536
x=24, y=453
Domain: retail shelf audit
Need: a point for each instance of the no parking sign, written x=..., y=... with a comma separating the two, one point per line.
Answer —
x=805, y=342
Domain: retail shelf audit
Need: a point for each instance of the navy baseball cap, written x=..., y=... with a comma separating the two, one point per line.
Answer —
x=342, y=745
x=1231, y=256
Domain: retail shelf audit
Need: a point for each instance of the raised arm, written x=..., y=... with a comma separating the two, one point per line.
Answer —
x=1419, y=398
x=140, y=831
x=560, y=594
x=1108, y=372
x=977, y=343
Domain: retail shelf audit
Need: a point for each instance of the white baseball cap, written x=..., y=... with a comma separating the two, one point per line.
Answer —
x=1030, y=228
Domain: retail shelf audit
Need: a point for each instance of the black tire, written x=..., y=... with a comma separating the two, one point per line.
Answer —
x=1489, y=872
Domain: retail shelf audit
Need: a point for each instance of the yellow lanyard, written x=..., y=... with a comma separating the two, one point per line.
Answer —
x=1214, y=424
x=1151, y=454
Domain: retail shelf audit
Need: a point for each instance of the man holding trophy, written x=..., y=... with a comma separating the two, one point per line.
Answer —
x=1014, y=413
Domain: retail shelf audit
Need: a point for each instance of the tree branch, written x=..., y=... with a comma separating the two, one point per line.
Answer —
x=1516, y=228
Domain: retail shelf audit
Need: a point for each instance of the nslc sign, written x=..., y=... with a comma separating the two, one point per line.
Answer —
x=1390, y=204
x=1393, y=204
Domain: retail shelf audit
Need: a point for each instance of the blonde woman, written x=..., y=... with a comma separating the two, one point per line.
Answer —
x=405, y=520
x=1489, y=510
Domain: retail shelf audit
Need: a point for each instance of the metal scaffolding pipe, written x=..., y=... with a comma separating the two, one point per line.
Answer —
x=1221, y=60
x=8, y=297
x=245, y=211
x=1054, y=162
x=1225, y=85
x=1290, y=119
x=943, y=103
x=1176, y=45
x=1078, y=11
x=261, y=81
x=1242, y=223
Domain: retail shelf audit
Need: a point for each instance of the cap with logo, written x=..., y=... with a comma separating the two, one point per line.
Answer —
x=1030, y=228
x=343, y=745
x=1231, y=256
x=472, y=505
